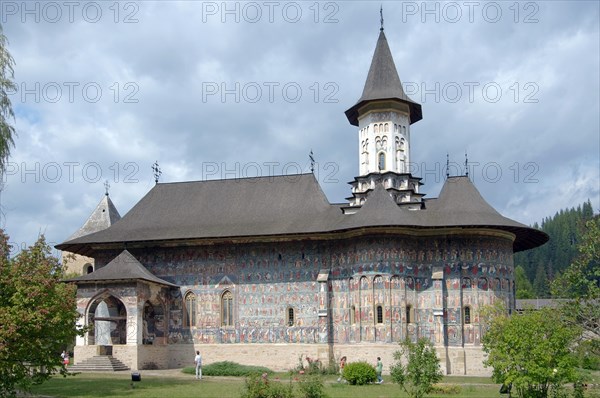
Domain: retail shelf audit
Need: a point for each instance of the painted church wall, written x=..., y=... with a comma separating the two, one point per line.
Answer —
x=370, y=284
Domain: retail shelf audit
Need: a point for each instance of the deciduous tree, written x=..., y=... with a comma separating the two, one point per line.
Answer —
x=7, y=131
x=416, y=368
x=530, y=351
x=37, y=316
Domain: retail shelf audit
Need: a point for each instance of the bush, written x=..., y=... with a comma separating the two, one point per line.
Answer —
x=312, y=387
x=359, y=373
x=228, y=368
x=259, y=386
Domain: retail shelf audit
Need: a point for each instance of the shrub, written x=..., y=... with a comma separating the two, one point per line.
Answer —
x=228, y=368
x=259, y=386
x=359, y=373
x=312, y=387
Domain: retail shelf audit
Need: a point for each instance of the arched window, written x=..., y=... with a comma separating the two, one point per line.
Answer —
x=409, y=314
x=227, y=309
x=376, y=129
x=381, y=161
x=379, y=314
x=386, y=128
x=88, y=268
x=352, y=315
x=190, y=310
x=467, y=315
x=290, y=316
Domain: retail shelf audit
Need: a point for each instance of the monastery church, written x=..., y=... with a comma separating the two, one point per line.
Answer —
x=264, y=270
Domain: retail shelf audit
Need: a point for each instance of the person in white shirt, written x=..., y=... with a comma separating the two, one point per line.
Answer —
x=198, y=362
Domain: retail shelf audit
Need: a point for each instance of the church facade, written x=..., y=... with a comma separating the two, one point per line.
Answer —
x=265, y=270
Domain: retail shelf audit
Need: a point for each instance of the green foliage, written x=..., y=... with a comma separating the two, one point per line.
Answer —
x=311, y=386
x=259, y=386
x=7, y=84
x=581, y=283
x=228, y=368
x=565, y=232
x=359, y=373
x=531, y=351
x=523, y=286
x=416, y=368
x=38, y=316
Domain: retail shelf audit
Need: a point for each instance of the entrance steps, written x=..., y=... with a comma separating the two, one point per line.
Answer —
x=99, y=363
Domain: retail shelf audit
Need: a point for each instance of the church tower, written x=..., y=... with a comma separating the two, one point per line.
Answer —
x=102, y=217
x=383, y=115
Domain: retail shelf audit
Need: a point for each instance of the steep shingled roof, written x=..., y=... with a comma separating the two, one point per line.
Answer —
x=383, y=83
x=102, y=217
x=288, y=205
x=124, y=267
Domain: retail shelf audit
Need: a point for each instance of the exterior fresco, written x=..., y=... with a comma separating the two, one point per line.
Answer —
x=340, y=291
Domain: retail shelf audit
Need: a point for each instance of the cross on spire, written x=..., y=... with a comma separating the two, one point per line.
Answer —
x=381, y=15
x=312, y=161
x=157, y=172
x=106, y=187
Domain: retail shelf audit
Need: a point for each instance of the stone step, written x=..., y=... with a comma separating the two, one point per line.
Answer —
x=99, y=363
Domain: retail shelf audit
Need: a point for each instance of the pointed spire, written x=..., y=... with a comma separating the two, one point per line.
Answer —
x=105, y=215
x=383, y=83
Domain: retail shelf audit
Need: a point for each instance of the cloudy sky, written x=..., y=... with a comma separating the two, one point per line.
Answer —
x=240, y=89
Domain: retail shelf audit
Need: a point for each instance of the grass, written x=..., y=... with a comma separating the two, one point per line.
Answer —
x=182, y=386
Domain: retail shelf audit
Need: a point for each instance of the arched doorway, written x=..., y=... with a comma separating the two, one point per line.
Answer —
x=107, y=318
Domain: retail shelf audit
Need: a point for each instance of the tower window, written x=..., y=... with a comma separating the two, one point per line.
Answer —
x=88, y=268
x=290, y=316
x=379, y=314
x=381, y=161
x=227, y=309
x=352, y=315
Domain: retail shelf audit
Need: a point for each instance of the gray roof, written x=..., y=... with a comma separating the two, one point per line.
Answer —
x=124, y=267
x=288, y=205
x=102, y=217
x=383, y=83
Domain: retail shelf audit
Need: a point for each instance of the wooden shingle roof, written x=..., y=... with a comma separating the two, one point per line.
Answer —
x=289, y=205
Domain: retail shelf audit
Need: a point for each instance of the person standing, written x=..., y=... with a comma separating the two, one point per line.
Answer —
x=198, y=362
x=342, y=365
x=379, y=369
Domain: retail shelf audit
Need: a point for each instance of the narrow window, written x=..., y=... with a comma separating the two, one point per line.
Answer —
x=352, y=315
x=379, y=314
x=290, y=316
x=190, y=310
x=381, y=161
x=467, y=315
x=409, y=318
x=227, y=309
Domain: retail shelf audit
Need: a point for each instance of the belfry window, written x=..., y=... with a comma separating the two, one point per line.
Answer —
x=227, y=309
x=290, y=316
x=381, y=161
x=190, y=310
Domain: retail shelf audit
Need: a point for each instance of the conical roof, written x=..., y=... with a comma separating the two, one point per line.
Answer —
x=102, y=217
x=383, y=83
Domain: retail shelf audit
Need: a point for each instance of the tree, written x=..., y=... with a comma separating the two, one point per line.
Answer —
x=524, y=288
x=37, y=316
x=530, y=351
x=422, y=369
x=581, y=283
x=7, y=131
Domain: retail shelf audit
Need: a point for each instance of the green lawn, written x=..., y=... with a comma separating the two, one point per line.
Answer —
x=119, y=385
